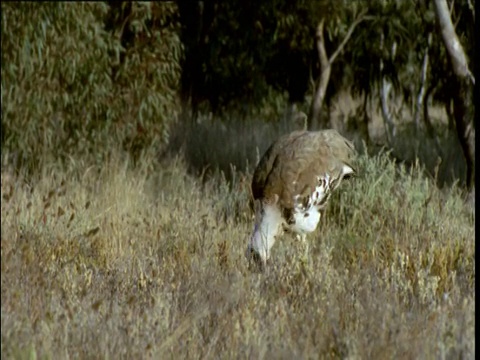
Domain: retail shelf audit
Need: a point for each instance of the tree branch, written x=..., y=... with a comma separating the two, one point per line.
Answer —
x=322, y=53
x=326, y=66
x=452, y=43
x=423, y=85
x=462, y=95
x=352, y=27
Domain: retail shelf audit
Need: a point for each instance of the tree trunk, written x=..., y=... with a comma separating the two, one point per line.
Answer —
x=385, y=88
x=428, y=123
x=422, y=100
x=423, y=83
x=364, y=122
x=326, y=69
x=463, y=113
x=318, y=100
x=463, y=94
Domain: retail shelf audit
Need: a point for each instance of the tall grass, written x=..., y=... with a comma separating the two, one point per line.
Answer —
x=122, y=261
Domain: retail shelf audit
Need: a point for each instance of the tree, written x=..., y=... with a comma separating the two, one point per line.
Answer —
x=379, y=53
x=235, y=51
x=326, y=63
x=463, y=83
x=226, y=47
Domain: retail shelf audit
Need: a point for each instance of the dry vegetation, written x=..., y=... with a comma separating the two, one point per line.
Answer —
x=108, y=251
x=114, y=261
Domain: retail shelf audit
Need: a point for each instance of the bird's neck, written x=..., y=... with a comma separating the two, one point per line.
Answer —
x=268, y=223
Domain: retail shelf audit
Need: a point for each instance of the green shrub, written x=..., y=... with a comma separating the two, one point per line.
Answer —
x=70, y=89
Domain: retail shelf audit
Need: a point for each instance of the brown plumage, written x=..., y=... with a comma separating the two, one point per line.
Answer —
x=296, y=175
x=291, y=165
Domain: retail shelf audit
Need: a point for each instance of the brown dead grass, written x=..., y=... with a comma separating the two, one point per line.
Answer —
x=123, y=263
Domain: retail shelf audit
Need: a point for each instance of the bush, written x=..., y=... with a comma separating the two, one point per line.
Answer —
x=70, y=89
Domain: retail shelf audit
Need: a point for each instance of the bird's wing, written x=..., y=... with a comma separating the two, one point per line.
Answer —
x=299, y=162
x=265, y=166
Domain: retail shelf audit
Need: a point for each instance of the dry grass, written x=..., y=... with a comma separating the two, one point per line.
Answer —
x=123, y=262
x=106, y=257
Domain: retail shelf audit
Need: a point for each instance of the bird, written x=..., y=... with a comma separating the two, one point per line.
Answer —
x=292, y=184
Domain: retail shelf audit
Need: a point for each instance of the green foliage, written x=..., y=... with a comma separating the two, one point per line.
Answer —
x=81, y=79
x=240, y=49
x=65, y=92
x=407, y=26
x=236, y=50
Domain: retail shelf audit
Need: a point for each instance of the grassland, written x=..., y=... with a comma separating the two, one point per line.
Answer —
x=132, y=262
x=113, y=248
